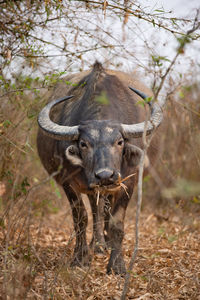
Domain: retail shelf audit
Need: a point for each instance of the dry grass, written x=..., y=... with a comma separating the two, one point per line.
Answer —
x=167, y=266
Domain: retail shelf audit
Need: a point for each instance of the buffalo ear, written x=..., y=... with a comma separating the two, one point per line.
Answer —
x=73, y=155
x=132, y=155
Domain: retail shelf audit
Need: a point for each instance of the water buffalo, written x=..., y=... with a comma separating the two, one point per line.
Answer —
x=92, y=138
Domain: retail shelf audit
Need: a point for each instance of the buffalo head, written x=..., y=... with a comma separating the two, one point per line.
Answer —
x=102, y=151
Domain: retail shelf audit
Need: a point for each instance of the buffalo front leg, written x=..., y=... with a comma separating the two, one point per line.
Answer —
x=116, y=235
x=98, y=241
x=79, y=213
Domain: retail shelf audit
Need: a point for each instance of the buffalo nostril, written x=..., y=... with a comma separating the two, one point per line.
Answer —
x=104, y=174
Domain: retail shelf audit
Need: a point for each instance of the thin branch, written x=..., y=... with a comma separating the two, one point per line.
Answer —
x=165, y=75
x=139, y=202
x=72, y=53
x=138, y=210
x=21, y=90
x=139, y=15
x=196, y=25
x=9, y=141
x=44, y=41
x=187, y=108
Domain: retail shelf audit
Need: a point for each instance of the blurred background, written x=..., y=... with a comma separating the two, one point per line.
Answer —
x=40, y=43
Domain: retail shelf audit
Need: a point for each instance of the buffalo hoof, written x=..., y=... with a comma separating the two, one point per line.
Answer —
x=98, y=247
x=80, y=259
x=117, y=269
x=77, y=262
x=116, y=265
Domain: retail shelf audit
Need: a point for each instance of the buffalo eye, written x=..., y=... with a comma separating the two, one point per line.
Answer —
x=120, y=142
x=83, y=145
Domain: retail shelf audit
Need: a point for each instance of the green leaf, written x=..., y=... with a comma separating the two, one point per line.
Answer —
x=172, y=238
x=52, y=183
x=24, y=185
x=159, y=10
x=147, y=178
x=157, y=59
x=141, y=103
x=181, y=94
x=7, y=123
x=57, y=192
x=55, y=188
x=148, y=99
x=161, y=231
x=196, y=200
x=102, y=99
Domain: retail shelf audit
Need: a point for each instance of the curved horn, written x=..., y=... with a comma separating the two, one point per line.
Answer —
x=136, y=130
x=58, y=132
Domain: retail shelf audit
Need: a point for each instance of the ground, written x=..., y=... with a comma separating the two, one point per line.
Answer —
x=167, y=265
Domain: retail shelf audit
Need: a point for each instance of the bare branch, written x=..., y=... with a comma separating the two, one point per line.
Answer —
x=136, y=13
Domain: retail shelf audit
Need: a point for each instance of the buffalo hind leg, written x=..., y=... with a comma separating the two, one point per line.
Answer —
x=98, y=242
x=79, y=213
x=116, y=234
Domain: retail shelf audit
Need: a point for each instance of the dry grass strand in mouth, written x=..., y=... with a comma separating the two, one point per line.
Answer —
x=98, y=194
x=126, y=178
x=125, y=189
x=113, y=187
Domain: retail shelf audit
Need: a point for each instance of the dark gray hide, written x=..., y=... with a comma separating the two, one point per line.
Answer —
x=95, y=153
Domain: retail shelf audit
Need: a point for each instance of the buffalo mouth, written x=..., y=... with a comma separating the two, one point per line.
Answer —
x=105, y=189
x=114, y=187
x=111, y=188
